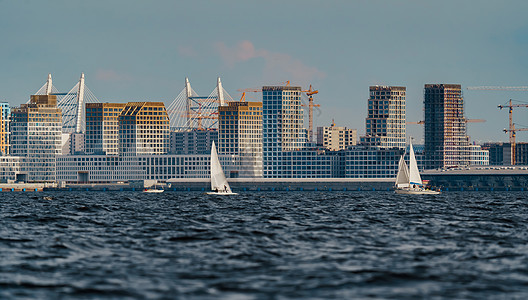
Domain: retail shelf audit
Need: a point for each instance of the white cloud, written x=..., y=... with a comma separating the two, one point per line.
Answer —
x=277, y=65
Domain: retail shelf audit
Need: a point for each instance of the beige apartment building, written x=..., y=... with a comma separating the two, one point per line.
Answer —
x=240, y=133
x=102, y=128
x=143, y=129
x=336, y=138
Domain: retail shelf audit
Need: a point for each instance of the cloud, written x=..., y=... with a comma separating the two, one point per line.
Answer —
x=243, y=51
x=187, y=51
x=277, y=65
x=111, y=75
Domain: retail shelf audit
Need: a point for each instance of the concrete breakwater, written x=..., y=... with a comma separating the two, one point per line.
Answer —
x=459, y=179
x=479, y=179
x=289, y=184
x=242, y=184
x=23, y=187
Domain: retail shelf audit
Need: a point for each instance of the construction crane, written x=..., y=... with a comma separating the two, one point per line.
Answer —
x=311, y=105
x=258, y=90
x=511, y=130
x=499, y=88
x=466, y=120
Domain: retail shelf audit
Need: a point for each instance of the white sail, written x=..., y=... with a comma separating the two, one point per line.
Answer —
x=218, y=179
x=414, y=174
x=402, y=179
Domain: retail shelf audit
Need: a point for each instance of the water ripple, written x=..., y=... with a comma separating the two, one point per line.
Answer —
x=263, y=245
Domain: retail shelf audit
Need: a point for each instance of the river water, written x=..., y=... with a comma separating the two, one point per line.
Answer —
x=291, y=245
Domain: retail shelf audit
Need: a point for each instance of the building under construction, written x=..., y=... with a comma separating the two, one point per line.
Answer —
x=385, y=122
x=446, y=141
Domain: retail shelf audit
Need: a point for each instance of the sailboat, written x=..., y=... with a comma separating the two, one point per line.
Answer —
x=219, y=185
x=153, y=189
x=408, y=181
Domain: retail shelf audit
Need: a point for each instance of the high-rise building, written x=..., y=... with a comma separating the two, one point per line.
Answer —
x=36, y=135
x=446, y=142
x=240, y=133
x=102, y=128
x=143, y=129
x=5, y=117
x=385, y=123
x=282, y=126
x=336, y=138
x=192, y=142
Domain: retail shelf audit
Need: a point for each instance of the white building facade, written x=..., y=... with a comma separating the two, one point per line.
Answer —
x=36, y=136
x=111, y=168
x=240, y=133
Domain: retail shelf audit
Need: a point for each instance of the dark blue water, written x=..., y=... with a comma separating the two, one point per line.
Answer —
x=102, y=245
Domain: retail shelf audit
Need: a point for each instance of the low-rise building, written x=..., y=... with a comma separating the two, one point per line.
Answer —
x=371, y=162
x=336, y=138
x=111, y=168
x=195, y=141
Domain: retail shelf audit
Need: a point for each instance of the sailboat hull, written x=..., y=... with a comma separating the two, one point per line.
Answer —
x=221, y=194
x=153, y=191
x=416, y=191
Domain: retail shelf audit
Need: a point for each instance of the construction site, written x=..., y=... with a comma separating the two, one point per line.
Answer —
x=508, y=153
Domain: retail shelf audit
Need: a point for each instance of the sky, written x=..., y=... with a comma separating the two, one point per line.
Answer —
x=144, y=50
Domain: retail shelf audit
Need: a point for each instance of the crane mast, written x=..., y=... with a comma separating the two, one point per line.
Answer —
x=311, y=105
x=511, y=130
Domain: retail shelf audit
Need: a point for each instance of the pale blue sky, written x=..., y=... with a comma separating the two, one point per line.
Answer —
x=143, y=50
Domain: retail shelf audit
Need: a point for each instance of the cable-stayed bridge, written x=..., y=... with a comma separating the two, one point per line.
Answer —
x=190, y=111
x=72, y=104
x=187, y=111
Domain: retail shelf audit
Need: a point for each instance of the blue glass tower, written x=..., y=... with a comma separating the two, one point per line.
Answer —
x=282, y=126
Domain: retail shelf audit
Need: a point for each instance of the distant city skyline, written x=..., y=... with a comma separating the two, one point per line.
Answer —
x=143, y=52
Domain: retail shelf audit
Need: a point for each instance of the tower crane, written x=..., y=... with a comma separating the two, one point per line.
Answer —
x=511, y=130
x=258, y=90
x=311, y=105
x=310, y=92
x=466, y=120
x=499, y=88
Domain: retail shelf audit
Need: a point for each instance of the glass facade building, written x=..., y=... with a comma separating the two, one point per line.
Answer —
x=240, y=133
x=36, y=135
x=5, y=117
x=143, y=129
x=111, y=168
x=371, y=162
x=102, y=128
x=195, y=141
x=282, y=127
